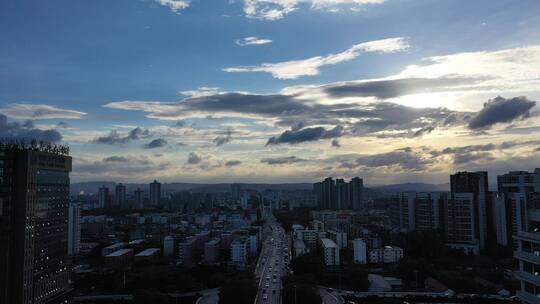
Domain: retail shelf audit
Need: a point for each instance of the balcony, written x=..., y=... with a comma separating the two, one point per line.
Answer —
x=525, y=276
x=527, y=256
x=528, y=236
x=528, y=297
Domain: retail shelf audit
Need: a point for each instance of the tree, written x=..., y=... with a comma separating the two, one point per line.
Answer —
x=241, y=291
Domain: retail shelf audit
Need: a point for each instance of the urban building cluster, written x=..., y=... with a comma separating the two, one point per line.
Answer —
x=332, y=232
x=49, y=236
x=474, y=218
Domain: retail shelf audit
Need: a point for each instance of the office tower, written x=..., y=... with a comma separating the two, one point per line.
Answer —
x=475, y=183
x=104, y=197
x=235, y=191
x=428, y=211
x=356, y=187
x=74, y=229
x=461, y=226
x=343, y=194
x=34, y=198
x=139, y=199
x=402, y=211
x=155, y=193
x=120, y=196
x=528, y=251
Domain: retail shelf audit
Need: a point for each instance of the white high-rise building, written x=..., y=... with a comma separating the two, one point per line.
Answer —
x=239, y=253
x=330, y=252
x=168, y=246
x=74, y=228
x=360, y=248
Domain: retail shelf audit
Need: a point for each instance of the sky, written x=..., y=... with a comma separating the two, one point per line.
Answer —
x=275, y=91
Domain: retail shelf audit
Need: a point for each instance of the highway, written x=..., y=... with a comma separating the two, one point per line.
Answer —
x=273, y=261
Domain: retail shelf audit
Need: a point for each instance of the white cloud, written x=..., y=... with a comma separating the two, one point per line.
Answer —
x=277, y=9
x=175, y=5
x=310, y=66
x=252, y=41
x=39, y=111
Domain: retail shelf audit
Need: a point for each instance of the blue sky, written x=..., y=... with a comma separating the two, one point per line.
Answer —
x=89, y=64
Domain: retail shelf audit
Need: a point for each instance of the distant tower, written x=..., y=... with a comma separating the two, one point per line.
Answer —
x=120, y=196
x=74, y=229
x=155, y=193
x=356, y=188
x=139, y=199
x=103, y=197
x=235, y=191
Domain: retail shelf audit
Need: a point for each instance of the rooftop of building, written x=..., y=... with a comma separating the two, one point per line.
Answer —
x=328, y=243
x=120, y=252
x=148, y=252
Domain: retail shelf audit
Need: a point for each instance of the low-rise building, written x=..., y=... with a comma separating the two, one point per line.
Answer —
x=119, y=258
x=386, y=255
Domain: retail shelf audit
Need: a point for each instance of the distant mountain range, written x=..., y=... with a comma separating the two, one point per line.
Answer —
x=92, y=187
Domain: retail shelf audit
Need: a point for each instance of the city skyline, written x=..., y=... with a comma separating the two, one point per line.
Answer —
x=275, y=91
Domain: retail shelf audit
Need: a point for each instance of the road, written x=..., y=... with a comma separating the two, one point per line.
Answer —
x=330, y=297
x=273, y=261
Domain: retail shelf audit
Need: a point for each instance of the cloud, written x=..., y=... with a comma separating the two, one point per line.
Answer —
x=26, y=131
x=233, y=163
x=175, y=5
x=120, y=159
x=501, y=110
x=113, y=138
x=252, y=40
x=391, y=88
x=406, y=159
x=156, y=143
x=303, y=135
x=277, y=9
x=282, y=160
x=310, y=66
x=39, y=111
x=194, y=158
x=223, y=139
x=62, y=125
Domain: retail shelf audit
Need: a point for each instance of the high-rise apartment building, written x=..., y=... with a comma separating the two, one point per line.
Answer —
x=138, y=199
x=475, y=183
x=74, y=229
x=338, y=194
x=120, y=196
x=460, y=223
x=528, y=251
x=104, y=197
x=34, y=198
x=402, y=211
x=356, y=187
x=155, y=193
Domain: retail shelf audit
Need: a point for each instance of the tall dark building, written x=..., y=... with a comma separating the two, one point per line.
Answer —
x=338, y=194
x=342, y=194
x=475, y=183
x=120, y=196
x=34, y=202
x=356, y=188
x=155, y=193
x=235, y=191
